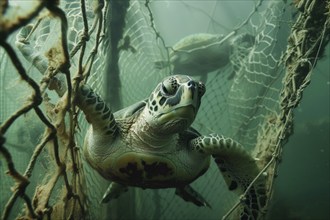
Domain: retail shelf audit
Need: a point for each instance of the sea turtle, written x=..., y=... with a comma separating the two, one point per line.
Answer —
x=199, y=54
x=151, y=144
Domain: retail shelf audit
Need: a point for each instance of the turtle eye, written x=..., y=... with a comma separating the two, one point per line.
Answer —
x=169, y=86
x=164, y=90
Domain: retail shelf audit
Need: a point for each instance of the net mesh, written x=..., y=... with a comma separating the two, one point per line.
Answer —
x=49, y=48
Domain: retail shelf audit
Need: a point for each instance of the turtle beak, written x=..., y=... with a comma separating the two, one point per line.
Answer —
x=200, y=87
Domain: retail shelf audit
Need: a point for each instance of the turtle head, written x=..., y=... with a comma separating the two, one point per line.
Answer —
x=243, y=40
x=173, y=105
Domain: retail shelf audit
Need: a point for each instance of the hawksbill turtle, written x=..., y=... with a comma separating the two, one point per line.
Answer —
x=151, y=144
x=201, y=53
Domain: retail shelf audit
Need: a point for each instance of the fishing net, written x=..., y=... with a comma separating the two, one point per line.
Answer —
x=48, y=48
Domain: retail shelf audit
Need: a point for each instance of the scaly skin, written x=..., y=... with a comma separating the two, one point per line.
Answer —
x=238, y=169
x=98, y=114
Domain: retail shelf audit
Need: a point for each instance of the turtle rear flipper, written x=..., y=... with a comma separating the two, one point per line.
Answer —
x=238, y=168
x=113, y=192
x=188, y=194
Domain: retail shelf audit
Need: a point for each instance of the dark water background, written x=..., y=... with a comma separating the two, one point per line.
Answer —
x=302, y=188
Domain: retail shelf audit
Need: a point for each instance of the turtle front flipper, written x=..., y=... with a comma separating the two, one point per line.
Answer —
x=188, y=194
x=113, y=192
x=97, y=112
x=238, y=168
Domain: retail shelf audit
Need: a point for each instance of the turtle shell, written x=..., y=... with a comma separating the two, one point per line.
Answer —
x=130, y=110
x=199, y=54
x=197, y=41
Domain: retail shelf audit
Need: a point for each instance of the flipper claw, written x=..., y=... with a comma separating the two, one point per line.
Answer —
x=113, y=192
x=188, y=194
